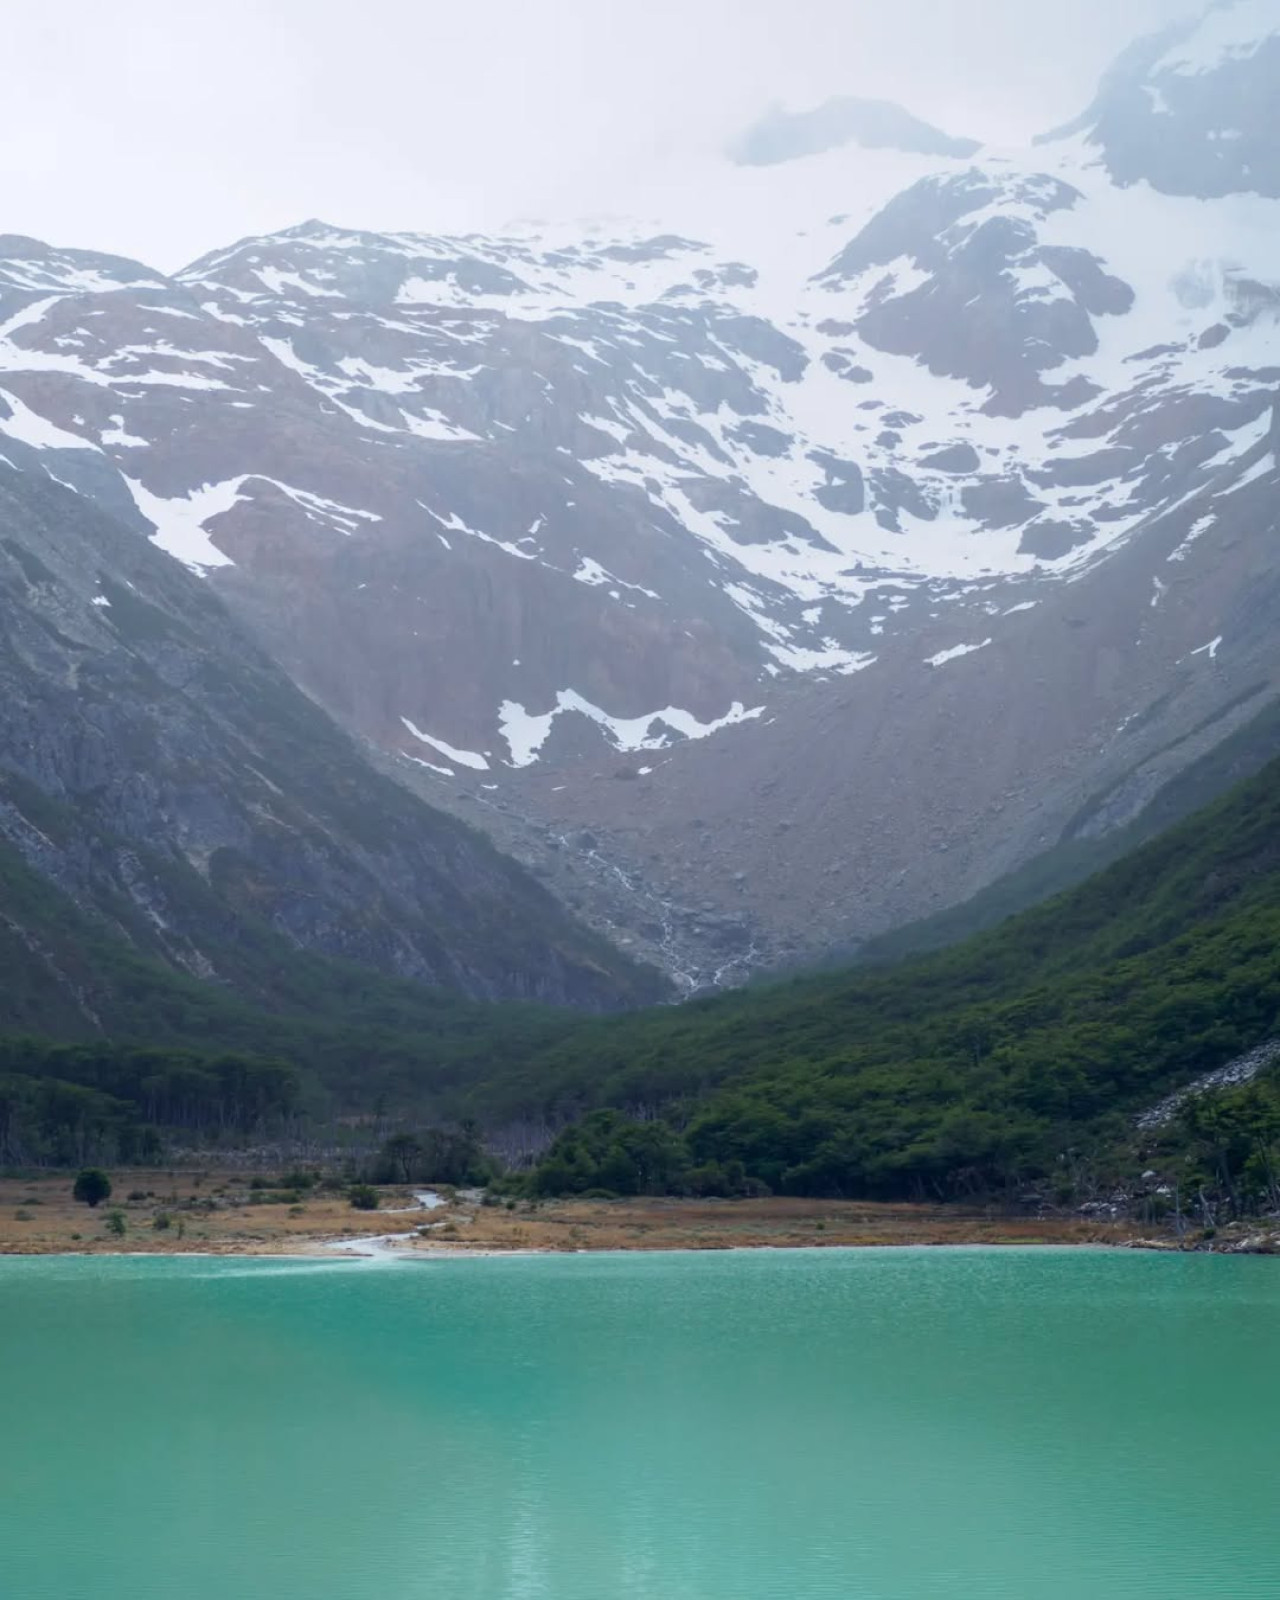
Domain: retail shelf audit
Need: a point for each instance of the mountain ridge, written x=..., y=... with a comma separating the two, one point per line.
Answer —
x=594, y=533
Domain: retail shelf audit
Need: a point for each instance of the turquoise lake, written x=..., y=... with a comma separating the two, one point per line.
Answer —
x=860, y=1425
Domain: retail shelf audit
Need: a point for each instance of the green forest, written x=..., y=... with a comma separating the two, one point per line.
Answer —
x=1018, y=1057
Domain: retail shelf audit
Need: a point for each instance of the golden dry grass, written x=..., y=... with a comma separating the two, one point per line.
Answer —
x=210, y=1212
x=217, y=1213
x=661, y=1224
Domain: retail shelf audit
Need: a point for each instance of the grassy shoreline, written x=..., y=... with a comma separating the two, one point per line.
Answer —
x=219, y=1213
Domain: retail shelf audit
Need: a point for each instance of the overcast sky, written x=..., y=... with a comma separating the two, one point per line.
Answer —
x=162, y=128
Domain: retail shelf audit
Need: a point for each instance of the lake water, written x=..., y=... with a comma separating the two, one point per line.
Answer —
x=958, y=1425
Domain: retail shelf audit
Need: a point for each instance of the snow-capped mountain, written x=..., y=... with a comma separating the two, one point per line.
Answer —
x=864, y=414
x=1191, y=111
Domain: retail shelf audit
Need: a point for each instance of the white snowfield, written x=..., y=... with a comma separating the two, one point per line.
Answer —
x=790, y=376
x=1229, y=32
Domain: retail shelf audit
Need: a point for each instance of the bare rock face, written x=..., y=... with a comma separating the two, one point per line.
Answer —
x=997, y=308
x=815, y=557
x=162, y=772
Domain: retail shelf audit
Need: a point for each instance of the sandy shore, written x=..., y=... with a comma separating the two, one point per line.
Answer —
x=218, y=1213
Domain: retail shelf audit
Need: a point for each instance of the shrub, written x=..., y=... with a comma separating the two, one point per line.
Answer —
x=363, y=1197
x=116, y=1224
x=163, y=1222
x=92, y=1186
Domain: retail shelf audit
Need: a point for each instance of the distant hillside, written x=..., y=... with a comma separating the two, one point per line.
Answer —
x=1018, y=1056
x=1006, y=1058
x=161, y=777
x=352, y=1032
x=1086, y=846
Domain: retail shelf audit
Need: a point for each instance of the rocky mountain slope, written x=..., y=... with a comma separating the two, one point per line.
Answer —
x=768, y=574
x=162, y=774
x=1027, y=1056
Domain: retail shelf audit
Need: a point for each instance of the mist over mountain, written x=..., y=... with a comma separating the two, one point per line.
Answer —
x=765, y=574
x=1190, y=110
x=873, y=124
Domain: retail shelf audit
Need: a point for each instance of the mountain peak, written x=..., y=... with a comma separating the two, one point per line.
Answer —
x=845, y=119
x=1229, y=31
x=1190, y=110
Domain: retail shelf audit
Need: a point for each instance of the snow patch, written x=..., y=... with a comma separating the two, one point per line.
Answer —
x=943, y=656
x=119, y=435
x=455, y=524
x=526, y=732
x=30, y=428
x=1198, y=529
x=276, y=282
x=28, y=315
x=319, y=509
x=597, y=577
x=831, y=658
x=435, y=425
x=179, y=521
x=463, y=758
x=443, y=772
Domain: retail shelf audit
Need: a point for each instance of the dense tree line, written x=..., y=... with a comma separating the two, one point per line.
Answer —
x=434, y=1155
x=1226, y=1145
x=609, y=1153
x=1017, y=1058
x=73, y=1104
x=1219, y=1157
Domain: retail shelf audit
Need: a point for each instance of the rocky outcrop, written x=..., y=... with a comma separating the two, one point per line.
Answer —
x=1244, y=1069
x=995, y=307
